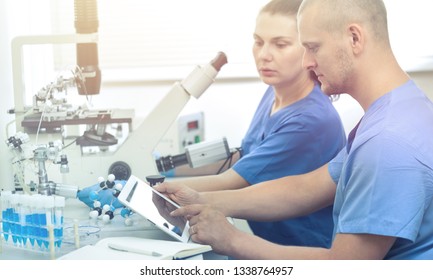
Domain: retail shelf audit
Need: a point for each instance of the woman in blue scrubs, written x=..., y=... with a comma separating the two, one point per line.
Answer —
x=295, y=129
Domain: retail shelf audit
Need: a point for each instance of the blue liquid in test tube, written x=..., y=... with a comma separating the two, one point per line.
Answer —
x=6, y=213
x=47, y=219
x=14, y=218
x=59, y=205
x=29, y=220
x=24, y=212
x=38, y=220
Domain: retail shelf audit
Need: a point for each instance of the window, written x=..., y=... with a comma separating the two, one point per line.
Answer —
x=161, y=37
x=409, y=27
x=164, y=39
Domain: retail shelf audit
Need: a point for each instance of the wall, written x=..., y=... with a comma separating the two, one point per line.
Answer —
x=424, y=81
x=6, y=96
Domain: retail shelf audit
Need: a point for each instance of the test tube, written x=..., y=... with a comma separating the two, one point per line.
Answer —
x=59, y=205
x=31, y=220
x=39, y=220
x=6, y=212
x=47, y=218
x=14, y=218
x=17, y=218
x=24, y=210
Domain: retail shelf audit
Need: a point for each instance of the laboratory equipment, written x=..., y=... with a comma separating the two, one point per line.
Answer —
x=102, y=198
x=51, y=111
x=153, y=180
x=196, y=155
x=106, y=212
x=143, y=140
x=32, y=222
x=20, y=109
x=188, y=129
x=86, y=22
x=100, y=151
x=87, y=73
x=35, y=157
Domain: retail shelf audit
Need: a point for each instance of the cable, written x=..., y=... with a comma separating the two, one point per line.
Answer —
x=229, y=160
x=75, y=140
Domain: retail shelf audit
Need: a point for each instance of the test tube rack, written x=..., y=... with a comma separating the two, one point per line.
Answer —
x=32, y=222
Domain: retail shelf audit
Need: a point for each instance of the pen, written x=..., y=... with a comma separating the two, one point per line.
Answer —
x=124, y=248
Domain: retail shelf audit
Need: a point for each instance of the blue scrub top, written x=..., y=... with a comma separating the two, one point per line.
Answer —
x=385, y=180
x=297, y=139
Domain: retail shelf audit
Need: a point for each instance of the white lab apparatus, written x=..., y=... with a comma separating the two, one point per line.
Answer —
x=137, y=152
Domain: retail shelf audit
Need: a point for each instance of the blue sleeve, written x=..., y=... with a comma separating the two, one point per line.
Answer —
x=385, y=193
x=336, y=164
x=298, y=146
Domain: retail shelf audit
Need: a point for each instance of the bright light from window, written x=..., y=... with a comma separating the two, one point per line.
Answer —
x=148, y=39
x=410, y=25
x=164, y=35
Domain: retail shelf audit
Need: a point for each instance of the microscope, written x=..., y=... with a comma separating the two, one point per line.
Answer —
x=134, y=151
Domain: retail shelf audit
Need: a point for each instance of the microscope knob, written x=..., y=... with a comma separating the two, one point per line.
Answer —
x=120, y=169
x=155, y=179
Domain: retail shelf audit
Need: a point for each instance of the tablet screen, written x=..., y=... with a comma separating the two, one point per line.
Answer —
x=139, y=197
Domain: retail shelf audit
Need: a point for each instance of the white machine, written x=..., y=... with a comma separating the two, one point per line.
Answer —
x=136, y=152
x=157, y=122
x=187, y=130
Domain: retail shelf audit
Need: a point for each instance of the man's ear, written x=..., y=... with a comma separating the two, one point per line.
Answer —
x=357, y=38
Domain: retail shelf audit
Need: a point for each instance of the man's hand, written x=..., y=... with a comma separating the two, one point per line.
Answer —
x=209, y=226
x=179, y=193
x=165, y=208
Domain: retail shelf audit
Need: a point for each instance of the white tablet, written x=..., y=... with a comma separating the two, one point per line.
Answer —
x=137, y=196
